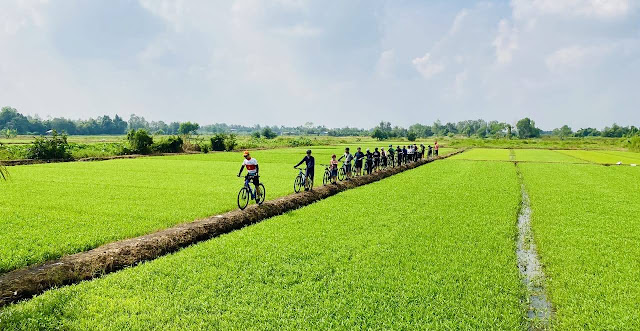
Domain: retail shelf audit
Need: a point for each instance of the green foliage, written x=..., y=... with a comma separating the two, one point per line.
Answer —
x=188, y=128
x=170, y=145
x=412, y=136
x=300, y=141
x=217, y=142
x=448, y=265
x=139, y=141
x=563, y=132
x=256, y=134
x=9, y=133
x=527, y=128
x=268, y=133
x=223, y=142
x=634, y=144
x=50, y=148
x=379, y=134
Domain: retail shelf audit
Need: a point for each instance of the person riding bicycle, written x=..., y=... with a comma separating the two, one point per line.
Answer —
x=376, y=159
x=347, y=162
x=252, y=172
x=310, y=163
x=358, y=161
x=369, y=161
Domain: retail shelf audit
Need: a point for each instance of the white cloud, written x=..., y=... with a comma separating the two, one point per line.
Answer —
x=574, y=57
x=506, y=42
x=299, y=31
x=426, y=67
x=600, y=9
x=457, y=22
x=386, y=63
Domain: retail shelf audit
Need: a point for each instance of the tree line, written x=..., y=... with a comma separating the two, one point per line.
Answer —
x=13, y=123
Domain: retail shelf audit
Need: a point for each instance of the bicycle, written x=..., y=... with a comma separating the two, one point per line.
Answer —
x=326, y=178
x=247, y=194
x=342, y=172
x=391, y=162
x=302, y=181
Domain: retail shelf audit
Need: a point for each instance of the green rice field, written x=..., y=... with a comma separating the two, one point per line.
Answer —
x=430, y=248
x=51, y=210
x=432, y=258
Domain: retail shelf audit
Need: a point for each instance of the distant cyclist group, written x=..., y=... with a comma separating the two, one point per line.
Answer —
x=353, y=165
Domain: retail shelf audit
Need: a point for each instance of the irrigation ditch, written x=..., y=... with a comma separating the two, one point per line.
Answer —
x=539, y=308
x=27, y=282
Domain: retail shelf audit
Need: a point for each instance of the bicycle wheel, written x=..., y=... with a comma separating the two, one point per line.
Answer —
x=326, y=179
x=341, y=174
x=308, y=184
x=298, y=183
x=263, y=194
x=243, y=198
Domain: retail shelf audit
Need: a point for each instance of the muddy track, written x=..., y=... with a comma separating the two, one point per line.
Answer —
x=24, y=283
x=540, y=310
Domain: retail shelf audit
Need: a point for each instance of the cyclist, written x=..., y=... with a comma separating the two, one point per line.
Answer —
x=358, y=157
x=383, y=157
x=376, y=159
x=347, y=162
x=369, y=161
x=390, y=153
x=333, y=166
x=422, y=148
x=252, y=172
x=429, y=152
x=310, y=163
x=436, y=147
x=399, y=152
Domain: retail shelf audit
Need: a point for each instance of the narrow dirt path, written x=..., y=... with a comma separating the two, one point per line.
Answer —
x=24, y=283
x=540, y=311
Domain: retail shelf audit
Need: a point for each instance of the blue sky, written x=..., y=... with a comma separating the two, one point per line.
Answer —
x=338, y=63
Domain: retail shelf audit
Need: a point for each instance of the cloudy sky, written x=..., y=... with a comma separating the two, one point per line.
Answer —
x=336, y=63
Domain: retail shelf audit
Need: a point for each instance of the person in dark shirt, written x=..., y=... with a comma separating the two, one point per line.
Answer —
x=376, y=159
x=348, y=158
x=310, y=163
x=390, y=153
x=429, y=152
x=358, y=161
x=369, y=161
x=422, y=148
x=404, y=154
x=399, y=157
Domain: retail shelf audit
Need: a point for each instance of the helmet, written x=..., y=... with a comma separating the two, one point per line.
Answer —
x=390, y=145
x=245, y=153
x=308, y=151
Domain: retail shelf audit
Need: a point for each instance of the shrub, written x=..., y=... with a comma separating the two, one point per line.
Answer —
x=171, y=145
x=411, y=136
x=204, y=147
x=54, y=148
x=230, y=142
x=255, y=134
x=218, y=142
x=301, y=141
x=139, y=141
x=268, y=133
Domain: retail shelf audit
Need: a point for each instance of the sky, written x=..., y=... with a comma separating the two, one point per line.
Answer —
x=330, y=62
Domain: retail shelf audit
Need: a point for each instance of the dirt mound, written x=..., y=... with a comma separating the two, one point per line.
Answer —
x=27, y=282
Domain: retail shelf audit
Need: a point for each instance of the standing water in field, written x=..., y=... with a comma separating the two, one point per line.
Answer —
x=540, y=311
